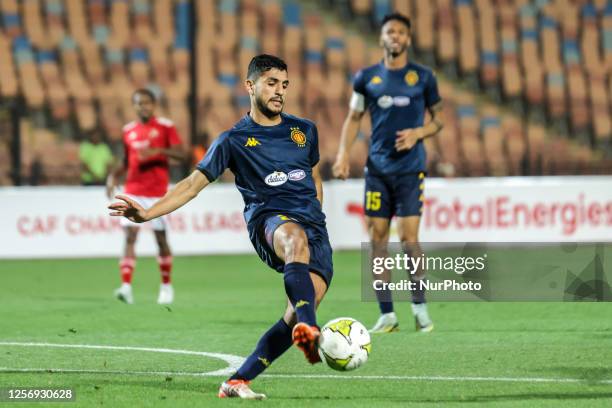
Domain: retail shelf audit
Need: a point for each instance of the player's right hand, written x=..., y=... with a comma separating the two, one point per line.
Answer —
x=129, y=209
x=341, y=168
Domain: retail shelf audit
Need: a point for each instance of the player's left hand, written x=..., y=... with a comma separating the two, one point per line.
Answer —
x=407, y=138
x=129, y=209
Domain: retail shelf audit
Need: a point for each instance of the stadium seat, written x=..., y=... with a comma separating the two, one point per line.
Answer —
x=468, y=55
x=424, y=28
x=516, y=144
x=600, y=114
x=447, y=47
x=8, y=79
x=493, y=141
x=579, y=111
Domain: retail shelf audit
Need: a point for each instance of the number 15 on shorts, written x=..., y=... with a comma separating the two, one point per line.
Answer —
x=373, y=200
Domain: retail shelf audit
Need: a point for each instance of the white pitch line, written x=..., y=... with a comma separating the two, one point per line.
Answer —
x=312, y=376
x=235, y=361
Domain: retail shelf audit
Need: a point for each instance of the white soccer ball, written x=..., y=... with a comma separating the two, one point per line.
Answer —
x=344, y=344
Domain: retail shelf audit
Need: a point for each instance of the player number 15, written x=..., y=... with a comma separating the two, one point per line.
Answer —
x=373, y=200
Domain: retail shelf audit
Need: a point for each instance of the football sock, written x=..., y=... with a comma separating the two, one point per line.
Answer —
x=272, y=344
x=301, y=293
x=165, y=267
x=126, y=267
x=385, y=307
x=418, y=294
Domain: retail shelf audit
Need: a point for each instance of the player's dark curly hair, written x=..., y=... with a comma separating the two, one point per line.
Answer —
x=262, y=63
x=398, y=17
x=144, y=91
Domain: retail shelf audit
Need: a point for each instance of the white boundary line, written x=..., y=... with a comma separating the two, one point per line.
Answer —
x=235, y=361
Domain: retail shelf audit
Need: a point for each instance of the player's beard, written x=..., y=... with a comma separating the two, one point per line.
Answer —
x=263, y=108
x=394, y=54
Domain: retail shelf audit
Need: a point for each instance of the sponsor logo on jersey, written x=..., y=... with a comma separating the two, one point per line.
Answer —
x=411, y=78
x=252, y=142
x=385, y=101
x=376, y=80
x=296, y=175
x=298, y=137
x=276, y=179
x=140, y=144
x=401, y=101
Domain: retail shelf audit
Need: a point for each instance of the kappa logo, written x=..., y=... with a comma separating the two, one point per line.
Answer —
x=376, y=80
x=252, y=142
x=301, y=303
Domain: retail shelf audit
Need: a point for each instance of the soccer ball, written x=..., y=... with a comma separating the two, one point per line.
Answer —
x=344, y=344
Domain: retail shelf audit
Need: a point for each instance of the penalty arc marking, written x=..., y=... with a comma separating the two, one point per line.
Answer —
x=235, y=361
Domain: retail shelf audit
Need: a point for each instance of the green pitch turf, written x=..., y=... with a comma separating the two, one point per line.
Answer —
x=480, y=354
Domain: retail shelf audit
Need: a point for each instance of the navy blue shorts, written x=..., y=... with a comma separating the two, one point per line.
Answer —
x=262, y=234
x=398, y=195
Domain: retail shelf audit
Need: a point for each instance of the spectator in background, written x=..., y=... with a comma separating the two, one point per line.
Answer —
x=96, y=159
x=37, y=172
x=198, y=149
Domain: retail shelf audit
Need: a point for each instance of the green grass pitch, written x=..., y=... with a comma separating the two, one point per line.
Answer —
x=480, y=354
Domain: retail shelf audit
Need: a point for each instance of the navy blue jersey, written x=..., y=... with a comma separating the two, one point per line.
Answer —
x=397, y=99
x=272, y=165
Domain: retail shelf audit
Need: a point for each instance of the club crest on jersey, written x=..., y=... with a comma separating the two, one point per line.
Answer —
x=298, y=137
x=252, y=142
x=411, y=78
x=132, y=135
x=153, y=133
x=276, y=179
x=376, y=80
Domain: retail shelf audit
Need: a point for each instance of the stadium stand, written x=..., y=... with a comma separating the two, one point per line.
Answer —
x=526, y=84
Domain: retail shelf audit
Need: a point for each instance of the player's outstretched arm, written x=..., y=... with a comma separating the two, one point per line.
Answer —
x=175, y=152
x=350, y=129
x=184, y=191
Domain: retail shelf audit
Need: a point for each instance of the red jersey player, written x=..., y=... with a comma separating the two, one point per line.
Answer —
x=148, y=144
